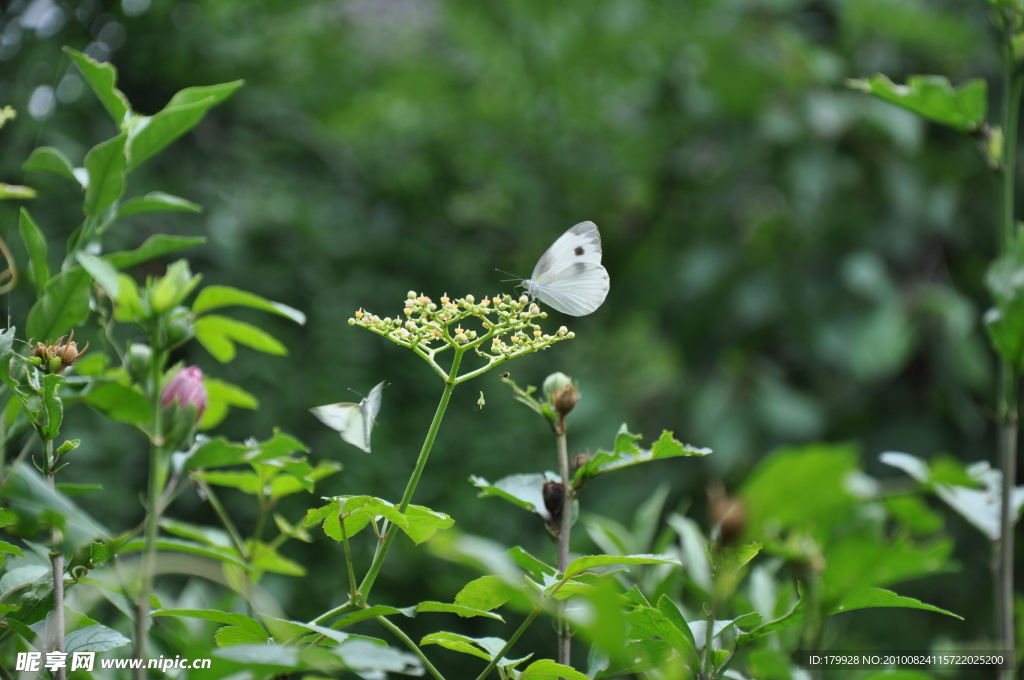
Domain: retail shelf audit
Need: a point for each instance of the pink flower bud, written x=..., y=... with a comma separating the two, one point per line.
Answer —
x=186, y=388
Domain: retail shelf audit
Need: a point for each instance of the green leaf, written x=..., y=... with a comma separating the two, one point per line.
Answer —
x=35, y=243
x=102, y=79
x=216, y=297
x=463, y=611
x=278, y=564
x=156, y=201
x=626, y=453
x=802, y=488
x=51, y=160
x=364, y=614
x=232, y=619
x=863, y=598
x=546, y=669
x=246, y=482
x=581, y=564
x=862, y=558
x=9, y=549
x=174, y=545
x=734, y=558
x=652, y=623
x=934, y=98
x=101, y=271
x=1005, y=323
x=218, y=452
x=485, y=593
x=30, y=497
x=233, y=635
x=794, y=617
x=220, y=397
x=151, y=248
x=181, y=114
x=105, y=164
x=52, y=405
x=63, y=305
x=482, y=648
x=218, y=334
x=95, y=638
x=424, y=523
x=121, y=403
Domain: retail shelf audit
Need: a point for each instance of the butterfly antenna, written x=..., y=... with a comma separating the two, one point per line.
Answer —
x=514, y=277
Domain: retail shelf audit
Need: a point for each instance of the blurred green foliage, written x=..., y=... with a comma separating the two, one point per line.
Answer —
x=790, y=261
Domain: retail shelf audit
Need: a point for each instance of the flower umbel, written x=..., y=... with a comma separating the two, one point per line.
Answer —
x=186, y=390
x=497, y=329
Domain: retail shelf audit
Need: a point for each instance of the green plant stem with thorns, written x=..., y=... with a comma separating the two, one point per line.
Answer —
x=156, y=481
x=1008, y=418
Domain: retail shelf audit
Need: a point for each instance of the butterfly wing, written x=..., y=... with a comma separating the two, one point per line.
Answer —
x=347, y=419
x=578, y=289
x=580, y=243
x=369, y=408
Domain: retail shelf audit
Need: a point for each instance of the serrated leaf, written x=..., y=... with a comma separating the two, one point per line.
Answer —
x=626, y=453
x=51, y=160
x=217, y=297
x=934, y=98
x=102, y=78
x=105, y=163
x=156, y=201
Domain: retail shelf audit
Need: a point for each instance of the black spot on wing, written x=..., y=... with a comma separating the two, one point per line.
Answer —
x=579, y=250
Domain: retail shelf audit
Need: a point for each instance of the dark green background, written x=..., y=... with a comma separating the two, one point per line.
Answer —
x=790, y=261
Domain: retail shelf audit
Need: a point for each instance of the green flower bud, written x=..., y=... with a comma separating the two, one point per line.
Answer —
x=138, y=360
x=555, y=381
x=180, y=327
x=171, y=289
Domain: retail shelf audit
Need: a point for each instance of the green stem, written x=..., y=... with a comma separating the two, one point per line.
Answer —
x=564, y=532
x=511, y=641
x=156, y=486
x=225, y=519
x=398, y=633
x=57, y=566
x=1012, y=88
x=348, y=562
x=421, y=463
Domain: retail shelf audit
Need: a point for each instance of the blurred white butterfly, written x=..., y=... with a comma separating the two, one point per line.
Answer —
x=569, y=276
x=354, y=421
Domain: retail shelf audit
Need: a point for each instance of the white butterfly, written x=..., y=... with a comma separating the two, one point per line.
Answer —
x=569, y=276
x=354, y=421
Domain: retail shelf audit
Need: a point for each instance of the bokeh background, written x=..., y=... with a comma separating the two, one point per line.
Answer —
x=791, y=261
